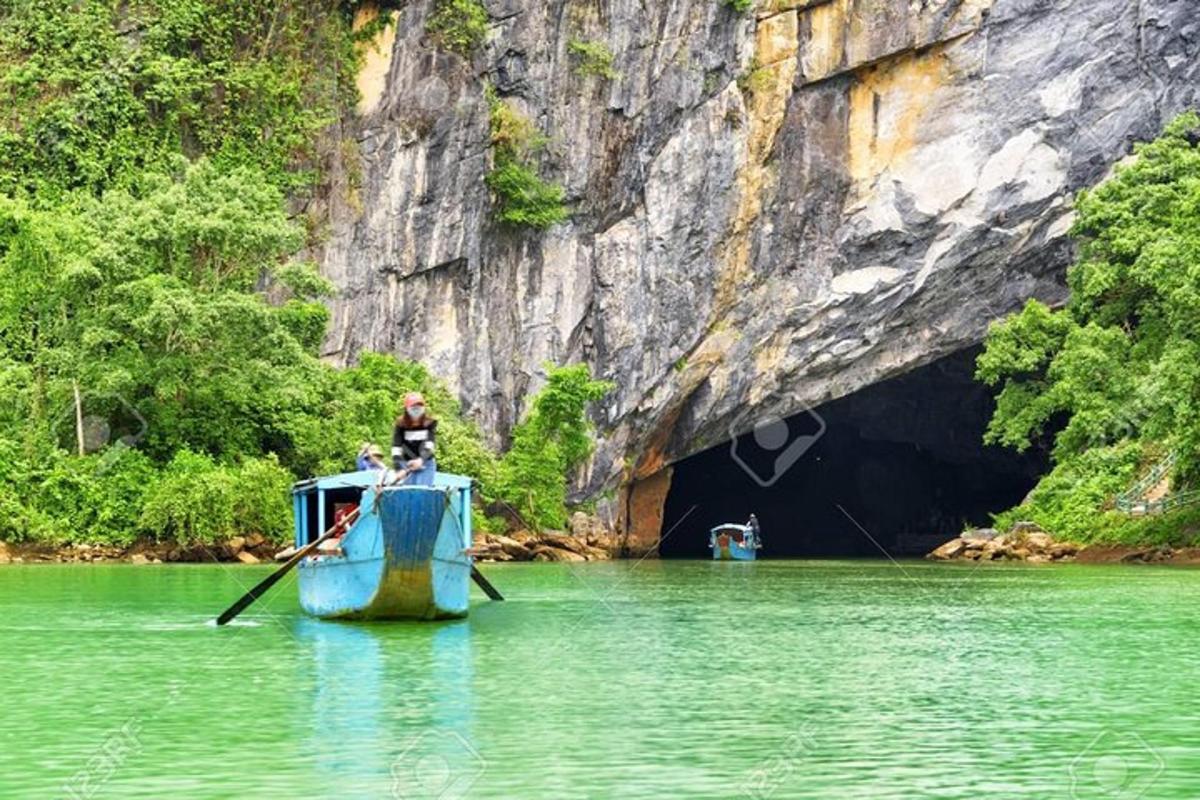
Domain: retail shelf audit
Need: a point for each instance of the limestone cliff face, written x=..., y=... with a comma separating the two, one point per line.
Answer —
x=886, y=178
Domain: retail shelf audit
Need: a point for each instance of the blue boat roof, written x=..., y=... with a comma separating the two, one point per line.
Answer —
x=368, y=478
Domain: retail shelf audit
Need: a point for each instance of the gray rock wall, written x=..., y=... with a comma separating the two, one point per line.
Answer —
x=888, y=177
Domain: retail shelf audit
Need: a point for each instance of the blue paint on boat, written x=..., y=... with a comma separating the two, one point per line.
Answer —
x=731, y=542
x=404, y=557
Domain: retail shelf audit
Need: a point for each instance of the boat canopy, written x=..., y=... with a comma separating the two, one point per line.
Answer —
x=317, y=502
x=368, y=479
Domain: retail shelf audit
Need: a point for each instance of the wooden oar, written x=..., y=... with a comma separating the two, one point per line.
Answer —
x=484, y=584
x=258, y=591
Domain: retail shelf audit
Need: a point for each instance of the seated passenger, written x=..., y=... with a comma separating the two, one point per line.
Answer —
x=413, y=442
x=370, y=457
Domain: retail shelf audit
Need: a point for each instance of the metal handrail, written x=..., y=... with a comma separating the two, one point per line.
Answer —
x=1148, y=481
x=1172, y=502
x=1132, y=500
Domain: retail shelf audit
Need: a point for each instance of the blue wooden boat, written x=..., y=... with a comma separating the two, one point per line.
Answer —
x=730, y=542
x=403, y=557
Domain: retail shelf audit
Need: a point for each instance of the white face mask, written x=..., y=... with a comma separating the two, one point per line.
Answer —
x=416, y=412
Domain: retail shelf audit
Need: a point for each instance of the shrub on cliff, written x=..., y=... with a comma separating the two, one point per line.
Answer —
x=552, y=440
x=1121, y=362
x=458, y=25
x=592, y=58
x=521, y=197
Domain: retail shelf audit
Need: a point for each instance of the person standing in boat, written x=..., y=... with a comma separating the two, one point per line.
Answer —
x=413, y=442
x=752, y=524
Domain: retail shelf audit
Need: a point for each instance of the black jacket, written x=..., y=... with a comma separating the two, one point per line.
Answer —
x=413, y=440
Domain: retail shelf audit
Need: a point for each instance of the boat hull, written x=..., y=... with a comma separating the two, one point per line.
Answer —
x=402, y=559
x=733, y=543
x=732, y=551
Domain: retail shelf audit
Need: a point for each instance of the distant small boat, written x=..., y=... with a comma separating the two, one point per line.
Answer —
x=403, y=557
x=731, y=542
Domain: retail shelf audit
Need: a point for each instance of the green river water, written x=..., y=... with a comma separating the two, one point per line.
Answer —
x=611, y=680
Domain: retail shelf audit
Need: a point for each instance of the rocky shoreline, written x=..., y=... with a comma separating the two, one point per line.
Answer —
x=1028, y=543
x=252, y=548
x=1025, y=542
x=586, y=539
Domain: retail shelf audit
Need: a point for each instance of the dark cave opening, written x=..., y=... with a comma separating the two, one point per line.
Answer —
x=896, y=468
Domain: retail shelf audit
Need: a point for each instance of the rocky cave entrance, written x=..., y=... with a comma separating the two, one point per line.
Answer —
x=898, y=467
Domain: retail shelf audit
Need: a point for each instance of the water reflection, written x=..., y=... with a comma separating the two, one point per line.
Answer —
x=393, y=707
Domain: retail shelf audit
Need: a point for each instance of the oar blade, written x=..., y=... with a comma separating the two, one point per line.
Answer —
x=257, y=592
x=485, y=584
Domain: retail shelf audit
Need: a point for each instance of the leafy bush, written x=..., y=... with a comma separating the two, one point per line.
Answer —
x=113, y=496
x=458, y=25
x=524, y=199
x=197, y=501
x=1069, y=501
x=553, y=439
x=306, y=322
x=262, y=499
x=741, y=6
x=521, y=197
x=594, y=58
x=193, y=502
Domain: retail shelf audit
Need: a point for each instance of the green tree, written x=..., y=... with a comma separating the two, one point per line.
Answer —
x=1122, y=360
x=554, y=438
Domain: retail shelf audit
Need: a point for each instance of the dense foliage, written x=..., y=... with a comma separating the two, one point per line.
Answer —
x=159, y=364
x=95, y=92
x=1114, y=377
x=144, y=299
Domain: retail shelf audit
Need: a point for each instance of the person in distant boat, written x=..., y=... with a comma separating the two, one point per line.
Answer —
x=752, y=524
x=370, y=457
x=413, y=442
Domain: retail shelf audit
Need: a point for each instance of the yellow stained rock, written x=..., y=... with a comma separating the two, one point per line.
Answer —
x=376, y=60
x=887, y=104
